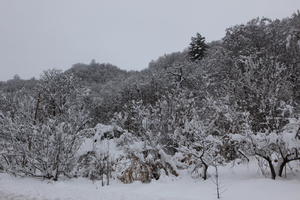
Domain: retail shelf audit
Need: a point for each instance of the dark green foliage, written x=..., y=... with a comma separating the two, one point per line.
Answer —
x=197, y=47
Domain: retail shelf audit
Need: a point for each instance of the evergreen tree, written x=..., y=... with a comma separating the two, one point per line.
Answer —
x=197, y=47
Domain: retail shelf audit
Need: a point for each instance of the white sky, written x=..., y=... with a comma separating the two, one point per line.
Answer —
x=40, y=34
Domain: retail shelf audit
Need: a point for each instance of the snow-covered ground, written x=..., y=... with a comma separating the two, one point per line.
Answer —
x=243, y=182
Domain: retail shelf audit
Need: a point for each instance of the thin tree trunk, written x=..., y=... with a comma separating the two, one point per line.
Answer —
x=217, y=183
x=281, y=167
x=271, y=166
x=272, y=169
x=205, y=167
x=56, y=170
x=107, y=171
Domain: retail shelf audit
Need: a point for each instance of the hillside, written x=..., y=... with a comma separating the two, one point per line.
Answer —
x=227, y=111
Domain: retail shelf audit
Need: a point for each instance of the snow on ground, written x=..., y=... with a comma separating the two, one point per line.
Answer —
x=241, y=182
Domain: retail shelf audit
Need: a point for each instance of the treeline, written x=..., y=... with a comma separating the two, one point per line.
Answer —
x=210, y=104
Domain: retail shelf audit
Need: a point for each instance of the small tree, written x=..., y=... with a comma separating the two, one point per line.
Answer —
x=197, y=47
x=41, y=138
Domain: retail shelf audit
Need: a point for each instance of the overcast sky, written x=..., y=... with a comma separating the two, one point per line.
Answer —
x=40, y=34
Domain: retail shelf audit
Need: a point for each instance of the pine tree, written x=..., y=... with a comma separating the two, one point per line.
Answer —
x=197, y=47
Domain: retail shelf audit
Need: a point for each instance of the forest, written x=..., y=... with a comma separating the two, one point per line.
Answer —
x=228, y=101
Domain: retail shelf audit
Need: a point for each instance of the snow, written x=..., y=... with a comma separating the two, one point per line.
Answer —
x=100, y=145
x=243, y=181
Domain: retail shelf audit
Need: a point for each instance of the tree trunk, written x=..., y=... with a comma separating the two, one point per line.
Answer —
x=272, y=169
x=271, y=166
x=205, y=167
x=281, y=167
x=283, y=164
x=107, y=172
x=56, y=172
x=217, y=183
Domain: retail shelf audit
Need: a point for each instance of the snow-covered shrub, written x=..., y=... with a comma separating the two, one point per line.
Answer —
x=193, y=137
x=40, y=137
x=46, y=150
x=275, y=149
x=129, y=157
